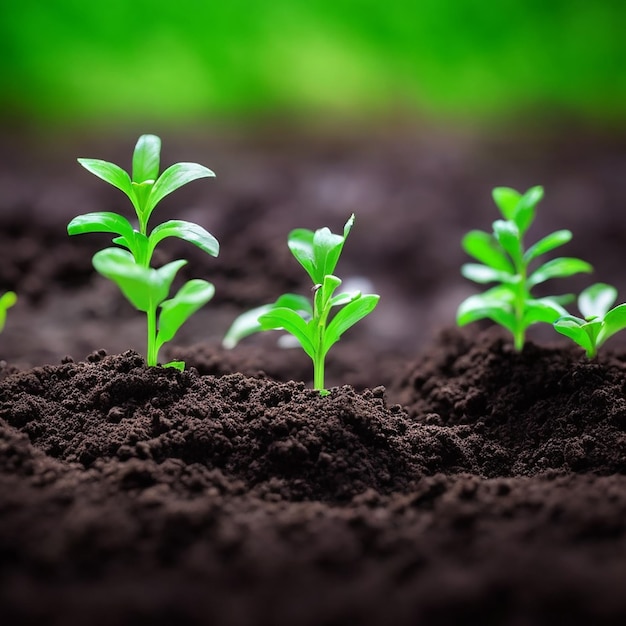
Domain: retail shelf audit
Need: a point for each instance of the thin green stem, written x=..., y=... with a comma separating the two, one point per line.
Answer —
x=519, y=336
x=152, y=352
x=318, y=360
x=320, y=318
x=318, y=373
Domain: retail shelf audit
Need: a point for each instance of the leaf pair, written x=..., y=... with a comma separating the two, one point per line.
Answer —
x=503, y=259
x=142, y=246
x=318, y=252
x=145, y=188
x=497, y=304
x=600, y=320
x=147, y=289
x=306, y=329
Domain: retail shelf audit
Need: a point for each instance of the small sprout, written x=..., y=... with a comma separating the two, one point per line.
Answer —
x=308, y=320
x=504, y=259
x=129, y=266
x=600, y=320
x=7, y=300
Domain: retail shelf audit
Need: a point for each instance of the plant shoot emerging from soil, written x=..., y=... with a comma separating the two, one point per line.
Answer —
x=7, y=300
x=129, y=266
x=600, y=321
x=504, y=260
x=318, y=252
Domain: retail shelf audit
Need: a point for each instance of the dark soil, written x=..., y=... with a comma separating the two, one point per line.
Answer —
x=446, y=479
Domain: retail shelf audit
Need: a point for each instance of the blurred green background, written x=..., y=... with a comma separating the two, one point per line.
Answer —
x=68, y=62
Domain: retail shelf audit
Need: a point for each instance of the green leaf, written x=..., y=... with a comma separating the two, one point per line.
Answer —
x=484, y=306
x=343, y=298
x=554, y=240
x=245, y=325
x=101, y=222
x=526, y=207
x=281, y=318
x=146, y=159
x=295, y=302
x=300, y=242
x=142, y=193
x=185, y=230
x=562, y=299
x=542, y=310
x=7, y=300
x=318, y=252
x=111, y=173
x=177, y=365
x=347, y=227
x=557, y=302
x=193, y=295
x=596, y=300
x=144, y=287
x=483, y=274
x=248, y=323
x=137, y=243
x=327, y=248
x=577, y=330
x=506, y=200
x=332, y=258
x=614, y=321
x=508, y=236
x=347, y=317
x=329, y=285
x=484, y=248
x=558, y=268
x=174, y=177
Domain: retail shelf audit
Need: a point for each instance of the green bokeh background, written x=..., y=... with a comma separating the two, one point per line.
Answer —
x=68, y=62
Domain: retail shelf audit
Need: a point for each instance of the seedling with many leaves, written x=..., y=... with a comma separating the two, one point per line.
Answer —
x=318, y=252
x=504, y=259
x=7, y=300
x=600, y=320
x=129, y=266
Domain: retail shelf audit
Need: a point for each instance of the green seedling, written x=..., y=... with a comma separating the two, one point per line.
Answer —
x=129, y=265
x=600, y=320
x=309, y=321
x=7, y=300
x=505, y=260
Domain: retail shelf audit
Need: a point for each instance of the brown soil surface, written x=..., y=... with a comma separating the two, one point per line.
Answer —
x=445, y=479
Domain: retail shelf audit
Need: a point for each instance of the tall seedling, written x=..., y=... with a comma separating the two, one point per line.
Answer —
x=129, y=265
x=309, y=321
x=505, y=260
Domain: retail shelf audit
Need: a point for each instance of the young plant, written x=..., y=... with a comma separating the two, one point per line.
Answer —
x=600, y=321
x=129, y=265
x=309, y=321
x=7, y=300
x=505, y=260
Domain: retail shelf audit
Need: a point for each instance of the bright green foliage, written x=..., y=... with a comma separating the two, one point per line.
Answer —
x=504, y=260
x=7, y=300
x=463, y=60
x=147, y=288
x=318, y=252
x=600, y=321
